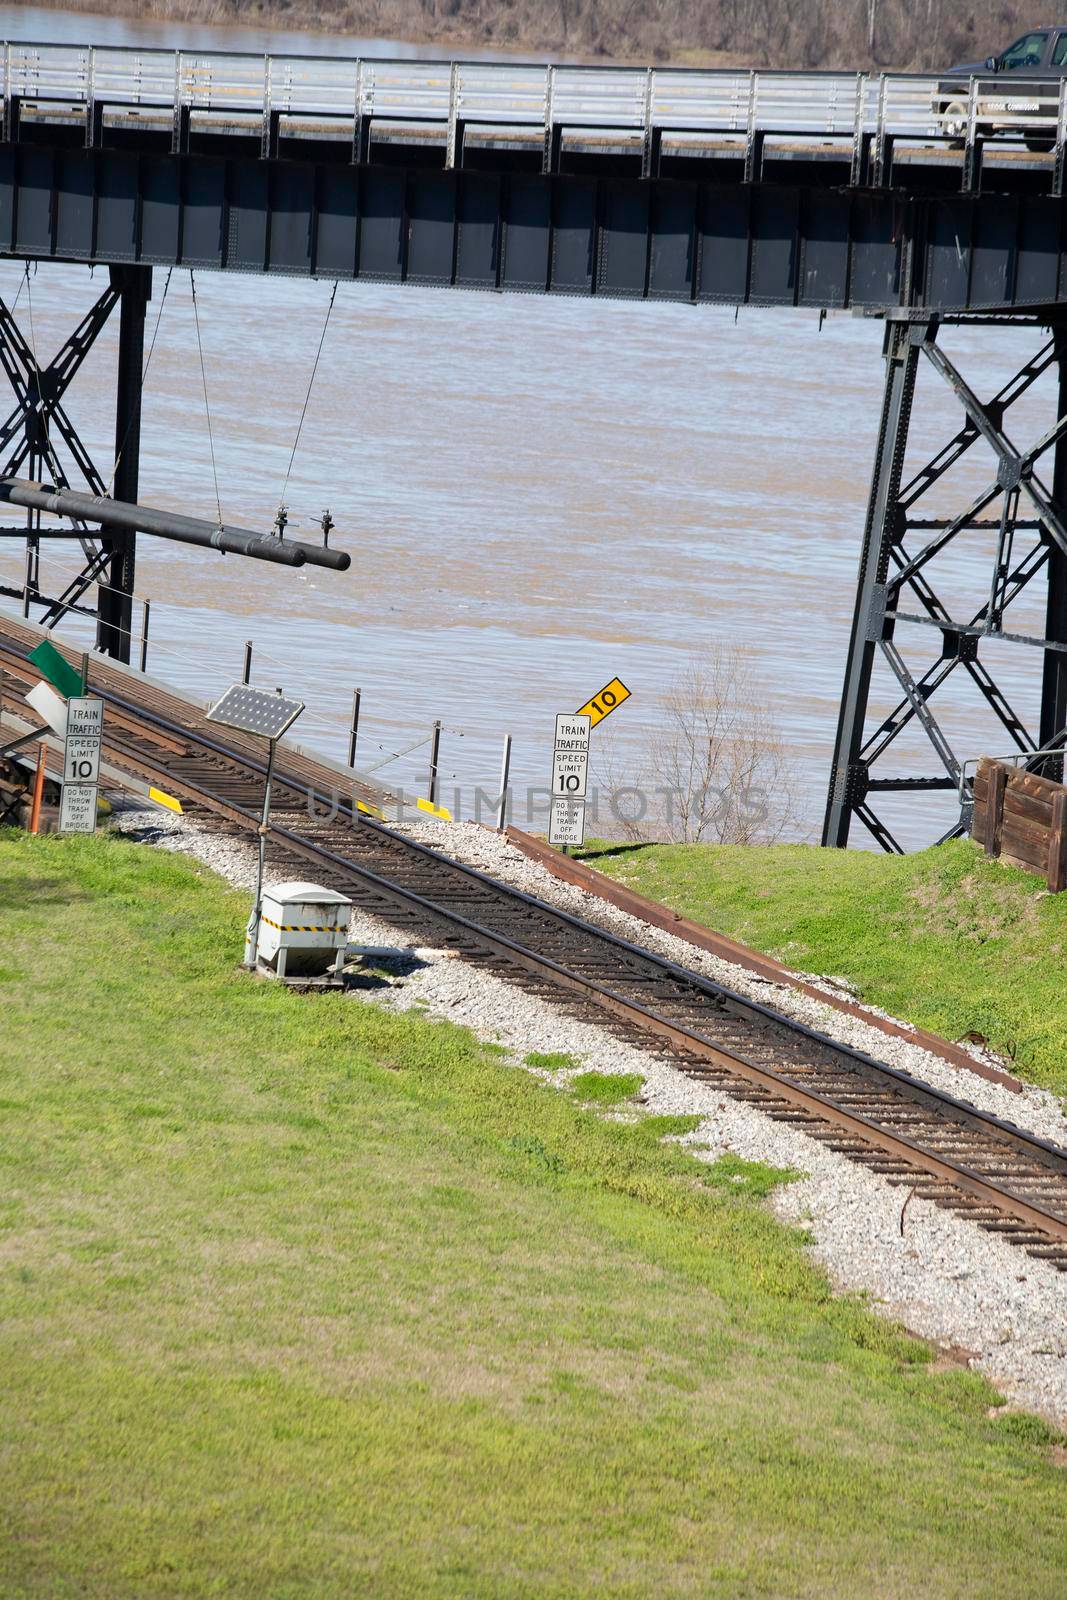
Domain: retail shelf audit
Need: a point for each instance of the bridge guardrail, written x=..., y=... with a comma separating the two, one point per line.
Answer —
x=211, y=83
x=863, y=107
x=53, y=70
x=599, y=97
x=132, y=77
x=794, y=103
x=313, y=85
x=519, y=94
x=419, y=89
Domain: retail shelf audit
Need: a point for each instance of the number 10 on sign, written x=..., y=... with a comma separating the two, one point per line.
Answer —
x=570, y=777
x=81, y=764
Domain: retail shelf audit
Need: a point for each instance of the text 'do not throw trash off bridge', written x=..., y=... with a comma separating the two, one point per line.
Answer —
x=900, y=196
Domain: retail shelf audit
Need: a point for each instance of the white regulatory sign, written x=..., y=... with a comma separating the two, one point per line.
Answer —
x=85, y=726
x=81, y=764
x=570, y=757
x=77, y=808
x=570, y=775
x=567, y=823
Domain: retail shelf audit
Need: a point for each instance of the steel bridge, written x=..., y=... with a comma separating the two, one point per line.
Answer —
x=912, y=198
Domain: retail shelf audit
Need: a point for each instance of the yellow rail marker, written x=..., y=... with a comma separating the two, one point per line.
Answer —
x=161, y=798
x=603, y=704
x=371, y=811
x=435, y=811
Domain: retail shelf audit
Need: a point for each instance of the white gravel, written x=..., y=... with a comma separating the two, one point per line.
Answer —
x=1035, y=1109
x=990, y=1304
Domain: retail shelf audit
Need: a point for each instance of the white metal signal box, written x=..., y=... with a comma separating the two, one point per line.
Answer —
x=303, y=930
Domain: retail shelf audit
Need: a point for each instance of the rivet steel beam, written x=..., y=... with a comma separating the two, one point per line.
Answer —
x=1030, y=515
x=115, y=632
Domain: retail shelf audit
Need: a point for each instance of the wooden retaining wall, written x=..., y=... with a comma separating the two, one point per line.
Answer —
x=1022, y=819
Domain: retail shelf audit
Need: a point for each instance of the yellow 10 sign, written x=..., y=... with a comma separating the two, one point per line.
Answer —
x=603, y=704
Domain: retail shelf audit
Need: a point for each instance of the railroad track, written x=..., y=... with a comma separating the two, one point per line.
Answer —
x=968, y=1161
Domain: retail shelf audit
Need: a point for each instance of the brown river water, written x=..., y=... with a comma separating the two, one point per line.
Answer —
x=538, y=494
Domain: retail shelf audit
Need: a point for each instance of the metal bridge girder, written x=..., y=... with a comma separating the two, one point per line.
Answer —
x=39, y=391
x=877, y=609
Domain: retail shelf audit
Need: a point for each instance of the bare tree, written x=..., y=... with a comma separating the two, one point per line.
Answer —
x=719, y=763
x=839, y=34
x=620, y=791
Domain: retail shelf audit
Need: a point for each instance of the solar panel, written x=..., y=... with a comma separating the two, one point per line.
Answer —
x=255, y=711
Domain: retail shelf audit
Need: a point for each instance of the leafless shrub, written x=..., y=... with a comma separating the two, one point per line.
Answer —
x=719, y=762
x=616, y=782
x=717, y=770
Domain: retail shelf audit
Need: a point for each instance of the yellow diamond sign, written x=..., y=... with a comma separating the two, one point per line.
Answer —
x=603, y=704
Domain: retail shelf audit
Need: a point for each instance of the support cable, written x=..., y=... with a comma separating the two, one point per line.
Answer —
x=207, y=408
x=307, y=397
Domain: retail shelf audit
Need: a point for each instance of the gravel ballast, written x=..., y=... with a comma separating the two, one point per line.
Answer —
x=986, y=1302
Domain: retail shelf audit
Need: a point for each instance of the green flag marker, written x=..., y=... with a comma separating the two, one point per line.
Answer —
x=60, y=674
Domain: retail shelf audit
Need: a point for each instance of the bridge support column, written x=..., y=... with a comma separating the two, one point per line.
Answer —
x=39, y=438
x=115, y=607
x=849, y=775
x=908, y=548
x=1054, y=676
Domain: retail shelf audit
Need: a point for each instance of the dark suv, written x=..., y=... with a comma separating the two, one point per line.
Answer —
x=1021, y=95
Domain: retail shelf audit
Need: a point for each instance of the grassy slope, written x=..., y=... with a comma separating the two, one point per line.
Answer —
x=943, y=938
x=299, y=1298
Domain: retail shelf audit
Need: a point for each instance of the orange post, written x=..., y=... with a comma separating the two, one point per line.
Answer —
x=38, y=791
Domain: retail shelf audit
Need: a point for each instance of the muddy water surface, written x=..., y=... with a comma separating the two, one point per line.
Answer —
x=537, y=494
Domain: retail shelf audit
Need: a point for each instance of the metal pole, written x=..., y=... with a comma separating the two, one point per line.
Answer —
x=505, y=772
x=146, y=613
x=1054, y=675
x=26, y=584
x=246, y=676
x=85, y=672
x=848, y=776
x=115, y=602
x=38, y=791
x=353, y=731
x=123, y=516
x=252, y=937
x=435, y=751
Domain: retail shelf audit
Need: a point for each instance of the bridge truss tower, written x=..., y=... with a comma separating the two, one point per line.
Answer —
x=904, y=577
x=39, y=441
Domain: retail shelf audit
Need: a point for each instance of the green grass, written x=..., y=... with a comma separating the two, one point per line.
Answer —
x=943, y=938
x=607, y=1088
x=550, y=1061
x=299, y=1298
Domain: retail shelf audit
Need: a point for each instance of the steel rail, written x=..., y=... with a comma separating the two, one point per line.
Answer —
x=648, y=1019
x=936, y=1099
x=645, y=1017
x=740, y=1004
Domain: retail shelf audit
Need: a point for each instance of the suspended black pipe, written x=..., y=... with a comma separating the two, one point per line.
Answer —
x=167, y=525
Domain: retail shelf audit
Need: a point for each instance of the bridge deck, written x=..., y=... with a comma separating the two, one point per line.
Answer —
x=823, y=189
x=450, y=101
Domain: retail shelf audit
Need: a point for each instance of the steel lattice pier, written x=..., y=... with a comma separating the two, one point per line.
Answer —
x=906, y=559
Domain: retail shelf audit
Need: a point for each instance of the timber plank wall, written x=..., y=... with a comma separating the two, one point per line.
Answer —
x=1022, y=819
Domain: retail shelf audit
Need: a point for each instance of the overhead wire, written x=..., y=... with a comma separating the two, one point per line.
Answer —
x=307, y=397
x=18, y=291
x=207, y=407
